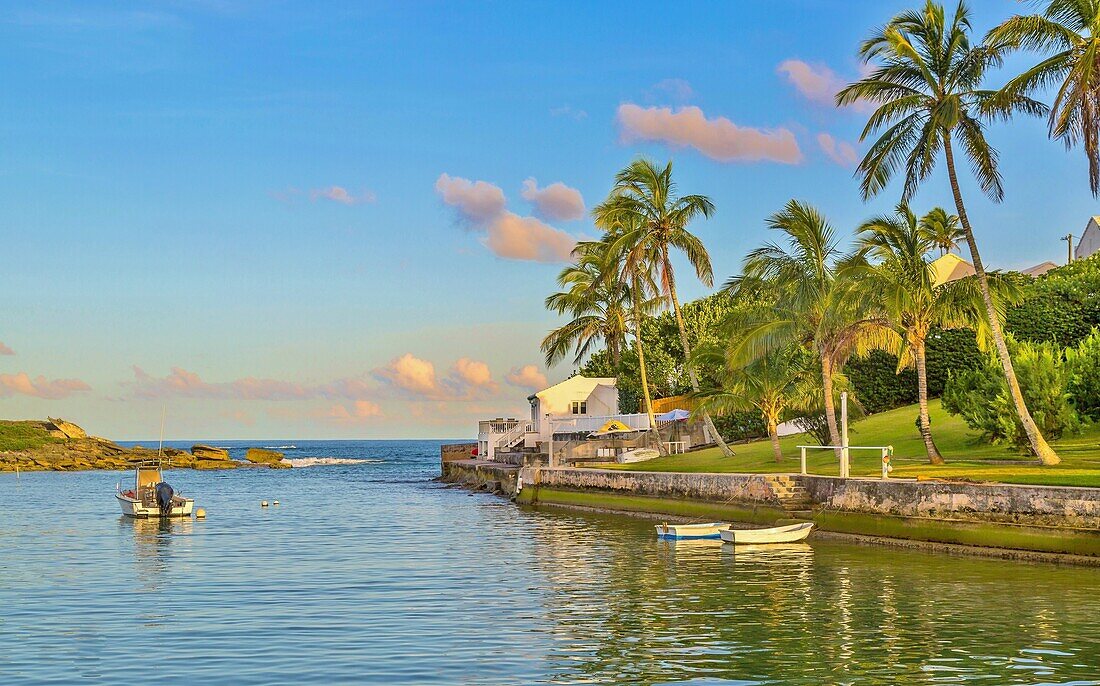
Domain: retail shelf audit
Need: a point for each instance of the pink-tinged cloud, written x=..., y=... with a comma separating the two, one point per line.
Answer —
x=358, y=411
x=473, y=373
x=719, y=138
x=527, y=376
x=817, y=83
x=526, y=238
x=341, y=195
x=839, y=151
x=40, y=386
x=187, y=384
x=476, y=201
x=410, y=373
x=5, y=350
x=556, y=202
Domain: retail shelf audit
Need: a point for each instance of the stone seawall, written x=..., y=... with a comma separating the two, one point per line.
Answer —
x=1061, y=506
x=456, y=451
x=1006, y=520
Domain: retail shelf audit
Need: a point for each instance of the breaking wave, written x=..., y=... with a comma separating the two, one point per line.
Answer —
x=280, y=447
x=323, y=461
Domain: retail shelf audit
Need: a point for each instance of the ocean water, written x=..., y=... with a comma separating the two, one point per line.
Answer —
x=370, y=573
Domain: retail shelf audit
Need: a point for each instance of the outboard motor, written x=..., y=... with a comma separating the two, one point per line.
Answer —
x=164, y=498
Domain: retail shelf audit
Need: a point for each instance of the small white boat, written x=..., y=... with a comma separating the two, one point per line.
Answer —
x=779, y=534
x=152, y=497
x=691, y=531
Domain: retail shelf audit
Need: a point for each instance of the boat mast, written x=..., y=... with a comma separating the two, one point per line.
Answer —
x=160, y=445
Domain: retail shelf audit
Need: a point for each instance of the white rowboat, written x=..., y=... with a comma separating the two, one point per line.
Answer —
x=779, y=534
x=691, y=531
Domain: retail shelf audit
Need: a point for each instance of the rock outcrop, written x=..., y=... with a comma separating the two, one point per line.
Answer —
x=271, y=458
x=67, y=429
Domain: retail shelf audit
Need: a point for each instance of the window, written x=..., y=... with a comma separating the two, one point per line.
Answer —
x=580, y=407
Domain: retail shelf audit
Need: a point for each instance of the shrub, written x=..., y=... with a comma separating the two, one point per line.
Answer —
x=980, y=396
x=1083, y=366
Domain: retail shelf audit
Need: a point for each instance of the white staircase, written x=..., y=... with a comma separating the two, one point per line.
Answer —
x=510, y=438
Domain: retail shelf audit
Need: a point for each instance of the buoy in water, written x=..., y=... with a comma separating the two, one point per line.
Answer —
x=263, y=503
x=200, y=513
x=274, y=502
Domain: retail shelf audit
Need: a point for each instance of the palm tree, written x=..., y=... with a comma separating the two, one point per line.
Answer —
x=644, y=199
x=816, y=303
x=927, y=87
x=1070, y=30
x=944, y=229
x=772, y=385
x=598, y=299
x=903, y=282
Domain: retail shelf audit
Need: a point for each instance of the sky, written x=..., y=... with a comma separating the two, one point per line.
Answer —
x=340, y=220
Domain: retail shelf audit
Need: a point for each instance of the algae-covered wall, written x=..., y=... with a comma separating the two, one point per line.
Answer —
x=709, y=487
x=1036, y=505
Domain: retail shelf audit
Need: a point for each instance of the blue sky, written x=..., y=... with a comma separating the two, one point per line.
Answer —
x=237, y=210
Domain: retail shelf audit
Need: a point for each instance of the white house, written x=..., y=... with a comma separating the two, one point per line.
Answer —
x=577, y=405
x=1090, y=240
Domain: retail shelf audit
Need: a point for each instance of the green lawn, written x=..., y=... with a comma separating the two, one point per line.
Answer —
x=16, y=435
x=967, y=457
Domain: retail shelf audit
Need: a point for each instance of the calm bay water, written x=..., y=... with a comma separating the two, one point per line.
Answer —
x=370, y=573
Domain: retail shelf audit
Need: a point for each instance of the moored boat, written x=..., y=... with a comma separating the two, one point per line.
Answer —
x=151, y=496
x=779, y=534
x=690, y=531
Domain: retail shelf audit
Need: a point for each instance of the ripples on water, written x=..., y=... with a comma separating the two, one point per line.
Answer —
x=368, y=573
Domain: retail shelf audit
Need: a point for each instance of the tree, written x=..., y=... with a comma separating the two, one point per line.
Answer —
x=645, y=203
x=1070, y=31
x=944, y=229
x=926, y=84
x=773, y=385
x=599, y=300
x=815, y=301
x=901, y=279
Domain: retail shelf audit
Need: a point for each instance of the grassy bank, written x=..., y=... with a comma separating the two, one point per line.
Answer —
x=967, y=456
x=24, y=435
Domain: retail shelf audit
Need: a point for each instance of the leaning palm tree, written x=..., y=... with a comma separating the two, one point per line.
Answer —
x=644, y=199
x=597, y=298
x=816, y=303
x=944, y=229
x=773, y=385
x=1068, y=33
x=902, y=280
x=926, y=84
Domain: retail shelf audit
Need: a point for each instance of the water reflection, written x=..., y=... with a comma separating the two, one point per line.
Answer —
x=627, y=606
x=153, y=539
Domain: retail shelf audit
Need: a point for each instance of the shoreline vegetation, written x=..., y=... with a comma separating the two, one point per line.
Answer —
x=58, y=445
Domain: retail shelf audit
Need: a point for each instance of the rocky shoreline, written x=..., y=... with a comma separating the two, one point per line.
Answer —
x=59, y=445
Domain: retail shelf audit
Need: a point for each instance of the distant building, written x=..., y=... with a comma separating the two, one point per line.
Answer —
x=1090, y=240
x=1040, y=269
x=949, y=268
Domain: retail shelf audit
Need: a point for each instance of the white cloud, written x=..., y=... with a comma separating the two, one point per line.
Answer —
x=677, y=90
x=554, y=202
x=341, y=195
x=717, y=138
x=818, y=83
x=526, y=238
x=39, y=386
x=839, y=151
x=476, y=201
x=527, y=376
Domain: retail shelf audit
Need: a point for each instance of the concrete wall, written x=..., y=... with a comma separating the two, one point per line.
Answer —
x=456, y=451
x=1034, y=505
x=707, y=487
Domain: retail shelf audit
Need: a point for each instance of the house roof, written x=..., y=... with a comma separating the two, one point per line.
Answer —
x=578, y=380
x=949, y=268
x=1040, y=269
x=1093, y=225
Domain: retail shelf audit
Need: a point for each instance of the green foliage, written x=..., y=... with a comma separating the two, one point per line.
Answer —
x=980, y=396
x=1062, y=306
x=24, y=436
x=879, y=384
x=1083, y=364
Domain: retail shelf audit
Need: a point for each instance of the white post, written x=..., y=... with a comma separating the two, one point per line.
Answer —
x=803, y=459
x=550, y=426
x=844, y=465
x=885, y=464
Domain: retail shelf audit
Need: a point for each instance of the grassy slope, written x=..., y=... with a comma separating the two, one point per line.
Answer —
x=23, y=436
x=967, y=457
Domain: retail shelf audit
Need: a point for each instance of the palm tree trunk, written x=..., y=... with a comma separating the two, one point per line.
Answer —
x=642, y=372
x=708, y=423
x=1039, y=446
x=773, y=436
x=830, y=410
x=934, y=456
